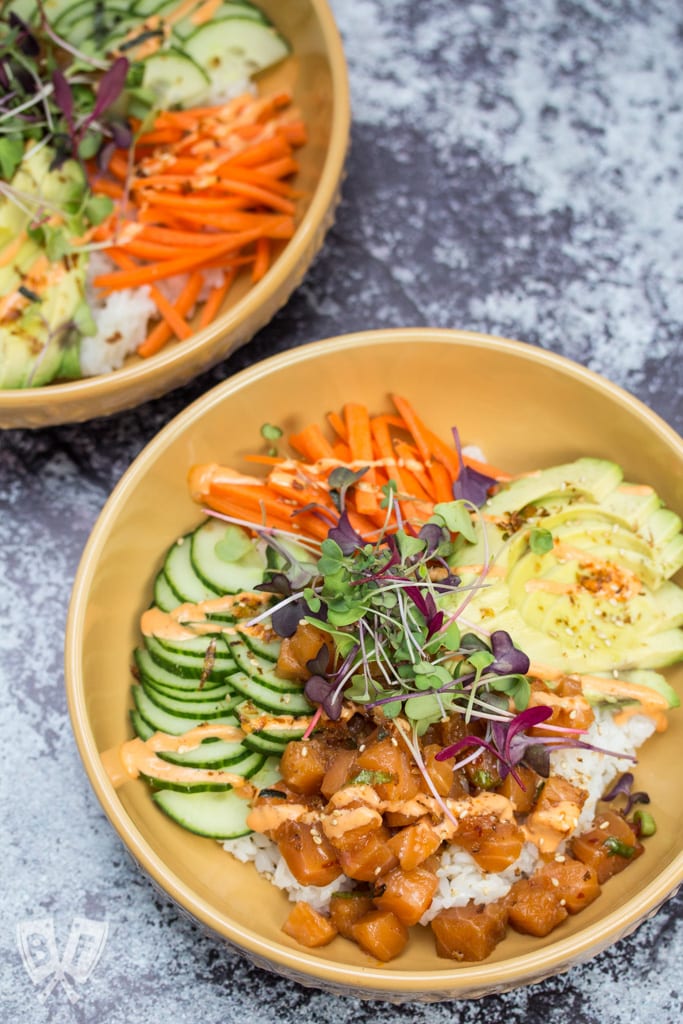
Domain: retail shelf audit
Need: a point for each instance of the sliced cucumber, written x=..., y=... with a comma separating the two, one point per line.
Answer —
x=234, y=49
x=269, y=650
x=164, y=595
x=290, y=702
x=186, y=26
x=191, y=665
x=226, y=576
x=164, y=721
x=176, y=79
x=262, y=671
x=156, y=674
x=208, y=755
x=209, y=780
x=214, y=815
x=203, y=711
x=257, y=741
x=142, y=729
x=180, y=573
x=216, y=693
x=196, y=645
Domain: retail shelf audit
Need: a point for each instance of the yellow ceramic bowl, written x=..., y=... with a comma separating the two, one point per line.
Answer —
x=526, y=408
x=315, y=72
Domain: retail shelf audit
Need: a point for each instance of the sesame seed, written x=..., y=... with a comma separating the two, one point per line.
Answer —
x=563, y=903
x=555, y=882
x=304, y=751
x=394, y=741
x=603, y=824
x=378, y=870
x=560, y=858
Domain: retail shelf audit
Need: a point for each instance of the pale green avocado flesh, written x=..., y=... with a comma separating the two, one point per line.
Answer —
x=600, y=600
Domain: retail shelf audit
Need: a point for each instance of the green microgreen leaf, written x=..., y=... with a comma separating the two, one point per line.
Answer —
x=455, y=516
x=98, y=208
x=368, y=777
x=11, y=154
x=408, y=546
x=388, y=490
x=540, y=541
x=516, y=686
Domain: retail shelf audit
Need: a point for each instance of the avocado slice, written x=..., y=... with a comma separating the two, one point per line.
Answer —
x=592, y=478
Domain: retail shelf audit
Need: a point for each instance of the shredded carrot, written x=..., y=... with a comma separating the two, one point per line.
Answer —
x=186, y=301
x=207, y=188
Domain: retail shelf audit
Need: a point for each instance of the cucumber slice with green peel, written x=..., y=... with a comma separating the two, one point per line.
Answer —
x=191, y=665
x=208, y=780
x=164, y=721
x=202, y=711
x=214, y=815
x=279, y=702
x=264, y=744
x=156, y=674
x=208, y=755
x=196, y=645
x=263, y=671
x=234, y=49
x=175, y=78
x=190, y=696
x=186, y=26
x=268, y=650
x=180, y=573
x=142, y=730
x=212, y=546
x=165, y=597
x=143, y=8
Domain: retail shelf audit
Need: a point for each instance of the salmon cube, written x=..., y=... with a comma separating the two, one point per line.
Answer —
x=341, y=769
x=414, y=844
x=577, y=883
x=535, y=906
x=303, y=765
x=407, y=893
x=471, y=932
x=309, y=927
x=346, y=908
x=389, y=760
x=522, y=799
x=299, y=648
x=309, y=855
x=608, y=847
x=370, y=858
x=493, y=843
x=381, y=934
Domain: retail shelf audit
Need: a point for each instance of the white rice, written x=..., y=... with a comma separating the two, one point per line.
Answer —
x=460, y=877
x=123, y=317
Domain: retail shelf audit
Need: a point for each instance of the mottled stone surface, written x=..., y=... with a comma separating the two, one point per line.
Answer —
x=516, y=169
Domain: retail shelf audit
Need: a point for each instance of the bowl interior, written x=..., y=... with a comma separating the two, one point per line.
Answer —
x=526, y=409
x=315, y=74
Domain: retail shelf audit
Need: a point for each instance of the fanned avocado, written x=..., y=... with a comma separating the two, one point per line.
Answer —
x=595, y=595
x=42, y=293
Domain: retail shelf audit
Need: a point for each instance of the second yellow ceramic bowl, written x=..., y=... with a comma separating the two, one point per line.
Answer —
x=315, y=73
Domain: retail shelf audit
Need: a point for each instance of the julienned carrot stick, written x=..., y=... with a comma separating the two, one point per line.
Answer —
x=173, y=318
x=357, y=420
x=312, y=443
x=338, y=425
x=486, y=468
x=441, y=481
x=215, y=299
x=186, y=301
x=262, y=261
x=414, y=426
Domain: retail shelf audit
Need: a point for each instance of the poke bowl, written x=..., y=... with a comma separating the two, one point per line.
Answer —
x=245, y=164
x=562, y=413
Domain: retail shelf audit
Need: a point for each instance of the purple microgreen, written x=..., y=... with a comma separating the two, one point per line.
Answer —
x=433, y=535
x=319, y=690
x=622, y=787
x=471, y=485
x=287, y=617
x=339, y=481
x=110, y=87
x=348, y=539
x=509, y=660
x=318, y=665
x=275, y=584
x=64, y=97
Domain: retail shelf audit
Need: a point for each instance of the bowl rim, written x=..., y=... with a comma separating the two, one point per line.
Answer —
x=111, y=388
x=370, y=982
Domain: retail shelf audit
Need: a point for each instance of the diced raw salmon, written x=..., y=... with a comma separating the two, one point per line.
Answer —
x=407, y=893
x=340, y=771
x=608, y=847
x=471, y=932
x=381, y=934
x=346, y=908
x=308, y=853
x=415, y=843
x=370, y=858
x=308, y=926
x=304, y=763
x=521, y=799
x=299, y=648
x=494, y=844
x=390, y=760
x=535, y=906
x=577, y=883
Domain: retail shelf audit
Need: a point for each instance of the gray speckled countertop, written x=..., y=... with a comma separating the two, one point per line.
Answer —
x=515, y=169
